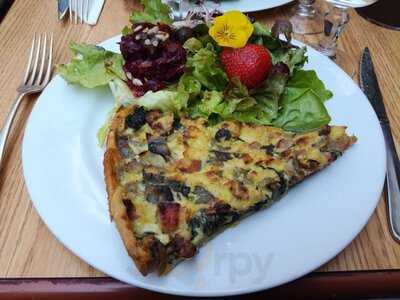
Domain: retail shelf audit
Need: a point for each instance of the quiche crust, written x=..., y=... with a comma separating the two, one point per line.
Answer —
x=140, y=252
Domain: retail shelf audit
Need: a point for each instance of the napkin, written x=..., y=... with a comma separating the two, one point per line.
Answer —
x=95, y=8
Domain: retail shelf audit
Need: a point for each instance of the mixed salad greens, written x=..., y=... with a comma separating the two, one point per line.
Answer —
x=176, y=66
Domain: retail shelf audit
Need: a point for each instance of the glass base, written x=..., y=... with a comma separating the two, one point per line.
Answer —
x=307, y=24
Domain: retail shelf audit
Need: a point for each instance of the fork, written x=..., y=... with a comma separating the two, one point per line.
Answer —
x=37, y=76
x=78, y=11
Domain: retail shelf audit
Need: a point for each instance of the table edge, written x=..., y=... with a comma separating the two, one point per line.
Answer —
x=317, y=285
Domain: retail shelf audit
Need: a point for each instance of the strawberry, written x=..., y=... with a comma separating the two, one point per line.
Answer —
x=250, y=64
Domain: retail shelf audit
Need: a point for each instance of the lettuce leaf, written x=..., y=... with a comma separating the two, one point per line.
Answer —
x=173, y=100
x=281, y=51
x=203, y=65
x=302, y=104
x=189, y=84
x=294, y=58
x=237, y=92
x=121, y=92
x=92, y=66
x=223, y=105
x=293, y=103
x=154, y=12
x=259, y=106
x=164, y=100
x=213, y=103
x=309, y=80
x=262, y=36
x=192, y=46
x=267, y=98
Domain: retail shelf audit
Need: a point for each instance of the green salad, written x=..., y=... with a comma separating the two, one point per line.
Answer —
x=221, y=67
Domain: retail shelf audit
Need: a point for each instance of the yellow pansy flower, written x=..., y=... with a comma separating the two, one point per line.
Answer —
x=232, y=29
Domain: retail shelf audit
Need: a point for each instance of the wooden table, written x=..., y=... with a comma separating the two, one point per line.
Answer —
x=28, y=249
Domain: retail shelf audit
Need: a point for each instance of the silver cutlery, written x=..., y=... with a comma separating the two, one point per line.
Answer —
x=369, y=84
x=78, y=11
x=37, y=76
x=62, y=8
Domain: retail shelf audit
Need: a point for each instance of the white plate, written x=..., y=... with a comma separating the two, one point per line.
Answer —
x=246, y=5
x=251, y=5
x=314, y=222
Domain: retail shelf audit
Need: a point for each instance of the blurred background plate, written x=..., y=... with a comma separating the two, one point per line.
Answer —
x=4, y=6
x=247, y=5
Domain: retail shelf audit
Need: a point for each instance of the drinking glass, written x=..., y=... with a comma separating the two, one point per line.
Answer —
x=306, y=18
x=335, y=21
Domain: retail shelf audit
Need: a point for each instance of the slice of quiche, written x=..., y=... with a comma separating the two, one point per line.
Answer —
x=172, y=184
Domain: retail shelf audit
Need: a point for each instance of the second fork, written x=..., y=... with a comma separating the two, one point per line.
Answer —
x=37, y=76
x=78, y=11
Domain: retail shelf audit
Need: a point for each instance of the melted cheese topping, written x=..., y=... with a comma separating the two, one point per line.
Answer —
x=147, y=221
x=255, y=165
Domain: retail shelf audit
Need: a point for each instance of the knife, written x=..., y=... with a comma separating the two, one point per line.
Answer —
x=63, y=6
x=369, y=84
